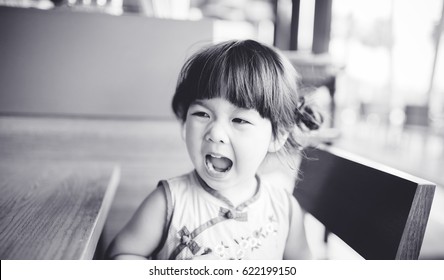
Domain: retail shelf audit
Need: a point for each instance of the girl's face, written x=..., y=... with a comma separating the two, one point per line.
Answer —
x=226, y=143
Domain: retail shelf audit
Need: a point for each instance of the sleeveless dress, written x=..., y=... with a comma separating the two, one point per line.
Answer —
x=199, y=221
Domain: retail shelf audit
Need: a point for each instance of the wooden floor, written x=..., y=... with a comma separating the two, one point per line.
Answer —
x=148, y=151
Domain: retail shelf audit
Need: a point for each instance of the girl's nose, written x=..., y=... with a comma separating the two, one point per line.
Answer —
x=217, y=133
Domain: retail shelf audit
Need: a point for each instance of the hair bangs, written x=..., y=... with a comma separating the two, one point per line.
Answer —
x=244, y=76
x=242, y=84
x=245, y=73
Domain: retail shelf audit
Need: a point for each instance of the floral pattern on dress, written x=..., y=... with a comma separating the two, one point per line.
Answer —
x=249, y=243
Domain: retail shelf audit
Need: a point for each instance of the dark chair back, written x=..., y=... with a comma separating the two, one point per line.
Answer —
x=379, y=212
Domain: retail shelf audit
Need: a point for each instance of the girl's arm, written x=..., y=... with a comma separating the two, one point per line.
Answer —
x=297, y=246
x=143, y=233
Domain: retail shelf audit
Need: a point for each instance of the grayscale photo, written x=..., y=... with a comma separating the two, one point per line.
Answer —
x=221, y=130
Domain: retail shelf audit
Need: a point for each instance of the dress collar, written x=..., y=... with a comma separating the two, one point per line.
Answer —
x=217, y=195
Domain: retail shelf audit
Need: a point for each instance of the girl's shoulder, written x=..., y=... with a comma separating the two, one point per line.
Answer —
x=277, y=195
x=275, y=188
x=180, y=187
x=181, y=181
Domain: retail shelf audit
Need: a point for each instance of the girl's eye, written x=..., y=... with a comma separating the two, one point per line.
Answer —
x=240, y=121
x=201, y=114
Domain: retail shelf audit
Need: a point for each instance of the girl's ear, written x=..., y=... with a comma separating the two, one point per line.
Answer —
x=277, y=142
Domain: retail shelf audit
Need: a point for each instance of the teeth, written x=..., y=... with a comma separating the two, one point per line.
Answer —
x=210, y=166
x=214, y=168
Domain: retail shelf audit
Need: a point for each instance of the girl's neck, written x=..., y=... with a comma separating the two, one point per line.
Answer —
x=236, y=195
x=241, y=194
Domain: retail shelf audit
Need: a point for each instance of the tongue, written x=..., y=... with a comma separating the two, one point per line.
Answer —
x=220, y=164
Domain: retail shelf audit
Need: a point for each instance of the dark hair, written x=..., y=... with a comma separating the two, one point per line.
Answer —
x=249, y=75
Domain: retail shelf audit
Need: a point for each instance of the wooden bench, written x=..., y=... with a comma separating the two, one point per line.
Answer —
x=379, y=212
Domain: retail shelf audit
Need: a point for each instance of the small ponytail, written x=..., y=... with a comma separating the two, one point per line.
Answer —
x=307, y=118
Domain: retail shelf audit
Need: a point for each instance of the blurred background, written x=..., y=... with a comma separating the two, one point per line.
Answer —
x=374, y=67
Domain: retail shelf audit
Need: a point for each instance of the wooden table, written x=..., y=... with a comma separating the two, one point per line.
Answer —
x=145, y=150
x=53, y=209
x=56, y=188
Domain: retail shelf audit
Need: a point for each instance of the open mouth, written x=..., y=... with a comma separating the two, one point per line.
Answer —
x=218, y=163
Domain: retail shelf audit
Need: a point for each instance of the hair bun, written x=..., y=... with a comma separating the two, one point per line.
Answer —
x=306, y=117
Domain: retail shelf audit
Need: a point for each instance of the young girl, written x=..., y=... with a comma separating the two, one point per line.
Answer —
x=238, y=102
